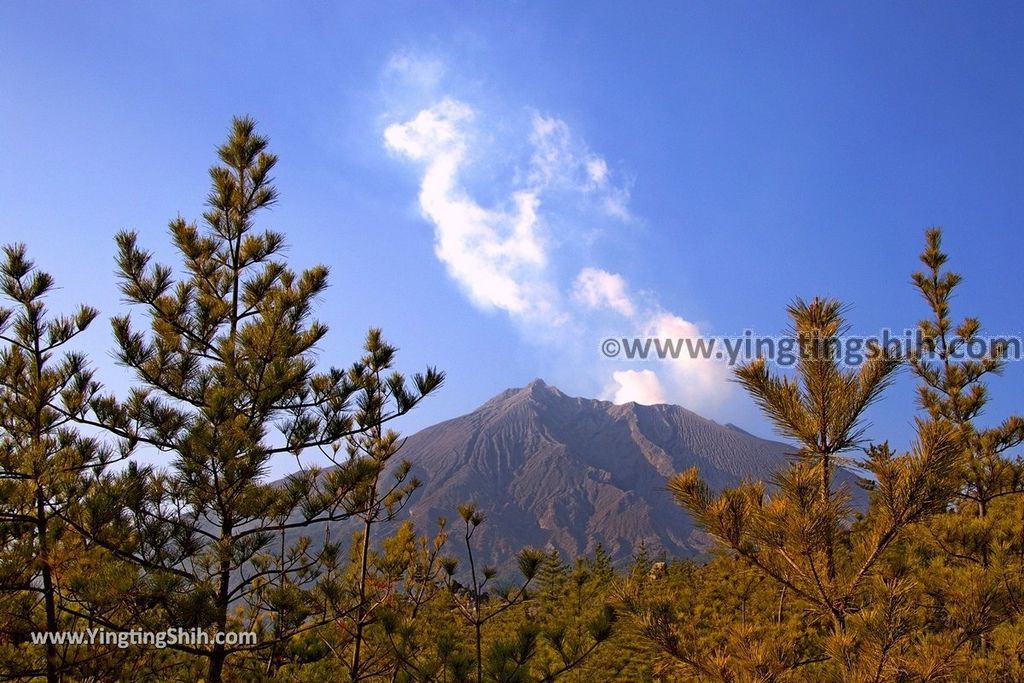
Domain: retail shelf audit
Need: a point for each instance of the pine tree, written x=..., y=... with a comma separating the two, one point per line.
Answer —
x=578, y=619
x=410, y=617
x=46, y=464
x=376, y=500
x=601, y=564
x=801, y=536
x=640, y=562
x=953, y=385
x=227, y=360
x=970, y=560
x=473, y=603
x=552, y=576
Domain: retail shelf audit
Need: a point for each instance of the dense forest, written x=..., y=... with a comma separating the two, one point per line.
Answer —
x=924, y=584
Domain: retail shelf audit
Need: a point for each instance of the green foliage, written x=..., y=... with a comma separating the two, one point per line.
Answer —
x=926, y=583
x=923, y=585
x=46, y=467
x=227, y=361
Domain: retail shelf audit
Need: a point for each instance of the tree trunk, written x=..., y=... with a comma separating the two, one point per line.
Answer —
x=361, y=608
x=42, y=528
x=219, y=653
x=826, y=497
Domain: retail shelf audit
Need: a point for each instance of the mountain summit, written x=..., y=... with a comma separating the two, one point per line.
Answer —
x=555, y=471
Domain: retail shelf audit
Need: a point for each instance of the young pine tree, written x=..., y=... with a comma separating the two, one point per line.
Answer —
x=576, y=619
x=382, y=494
x=600, y=565
x=970, y=560
x=408, y=626
x=473, y=603
x=953, y=385
x=551, y=578
x=227, y=381
x=46, y=465
x=801, y=536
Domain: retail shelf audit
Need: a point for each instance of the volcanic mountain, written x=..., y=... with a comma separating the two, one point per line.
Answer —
x=553, y=471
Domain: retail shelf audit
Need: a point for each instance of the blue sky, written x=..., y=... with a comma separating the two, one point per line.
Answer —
x=501, y=185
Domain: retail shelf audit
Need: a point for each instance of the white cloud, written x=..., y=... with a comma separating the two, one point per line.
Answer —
x=497, y=255
x=432, y=132
x=501, y=255
x=553, y=159
x=417, y=70
x=695, y=381
x=614, y=204
x=596, y=288
x=639, y=386
x=597, y=169
x=561, y=161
